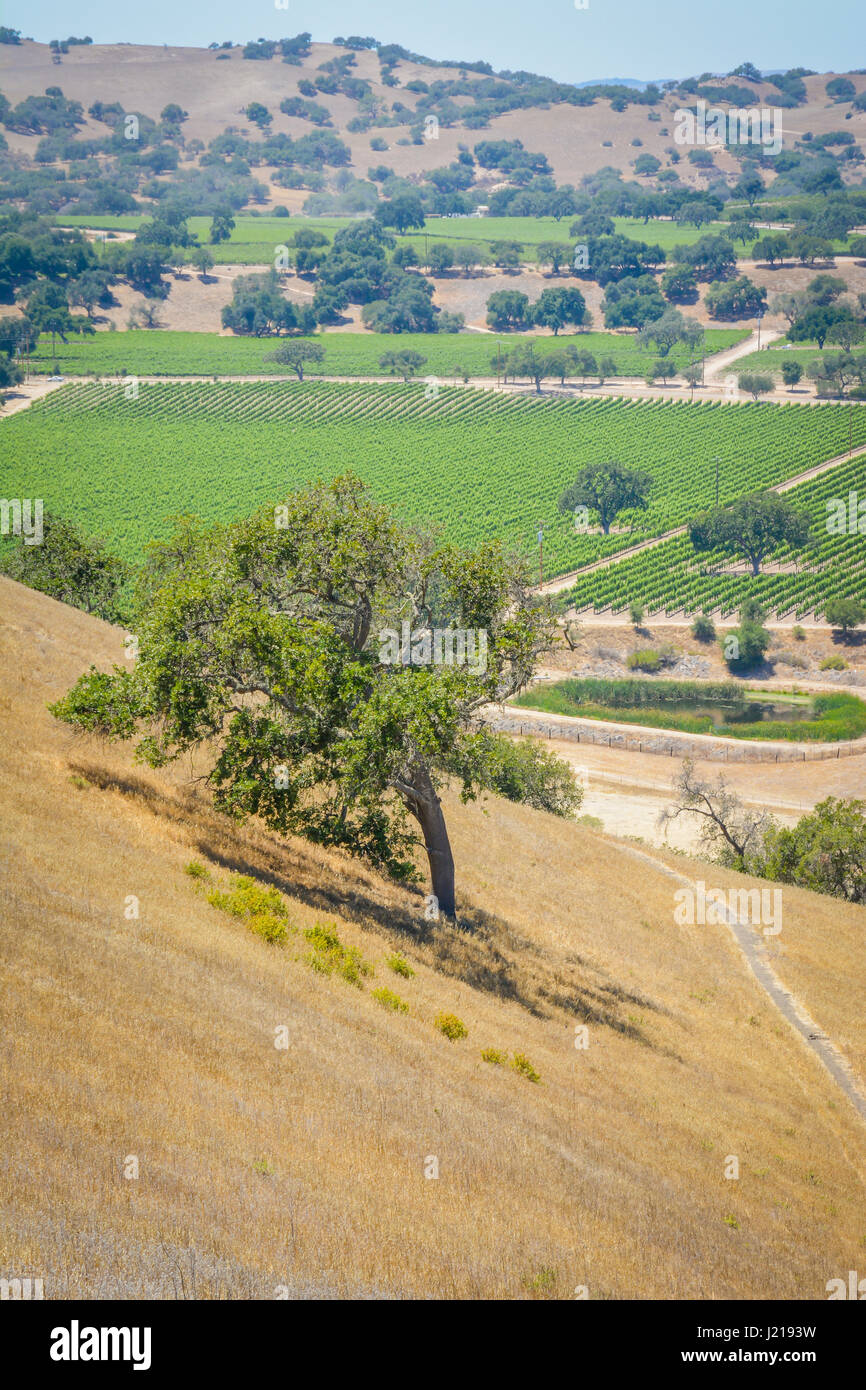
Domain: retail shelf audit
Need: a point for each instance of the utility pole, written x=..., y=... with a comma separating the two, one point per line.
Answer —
x=760, y=316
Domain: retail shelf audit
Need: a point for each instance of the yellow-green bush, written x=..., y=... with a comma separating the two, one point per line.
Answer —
x=262, y=909
x=246, y=898
x=490, y=1054
x=521, y=1063
x=389, y=1000
x=451, y=1026
x=330, y=957
x=399, y=965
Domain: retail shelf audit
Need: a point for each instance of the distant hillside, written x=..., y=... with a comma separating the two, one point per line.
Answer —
x=375, y=101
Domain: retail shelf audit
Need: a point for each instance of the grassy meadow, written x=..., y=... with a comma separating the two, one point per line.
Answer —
x=164, y=352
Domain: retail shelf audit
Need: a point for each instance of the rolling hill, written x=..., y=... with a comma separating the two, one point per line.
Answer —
x=577, y=140
x=158, y=1143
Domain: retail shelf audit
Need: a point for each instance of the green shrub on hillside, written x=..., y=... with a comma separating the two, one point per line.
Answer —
x=449, y=1024
x=399, y=965
x=330, y=957
x=703, y=628
x=645, y=660
x=389, y=1000
x=262, y=909
x=521, y=1063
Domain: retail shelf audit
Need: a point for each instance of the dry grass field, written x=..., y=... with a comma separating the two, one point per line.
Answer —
x=152, y=1037
x=146, y=78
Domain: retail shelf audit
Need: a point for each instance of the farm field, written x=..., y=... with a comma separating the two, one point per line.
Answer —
x=671, y=577
x=482, y=465
x=531, y=231
x=771, y=359
x=253, y=238
x=165, y=353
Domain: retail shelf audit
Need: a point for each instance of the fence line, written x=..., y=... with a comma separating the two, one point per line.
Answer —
x=682, y=746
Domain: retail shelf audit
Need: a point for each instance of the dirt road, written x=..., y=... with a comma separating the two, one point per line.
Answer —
x=753, y=950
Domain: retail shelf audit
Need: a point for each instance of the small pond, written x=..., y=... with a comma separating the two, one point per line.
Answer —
x=739, y=711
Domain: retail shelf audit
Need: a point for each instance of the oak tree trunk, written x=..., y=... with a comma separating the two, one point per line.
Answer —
x=426, y=807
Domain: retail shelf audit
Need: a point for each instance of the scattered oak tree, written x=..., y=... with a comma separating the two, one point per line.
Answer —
x=608, y=489
x=507, y=309
x=845, y=613
x=404, y=363
x=557, y=308
x=262, y=646
x=295, y=355
x=755, y=383
x=751, y=527
x=730, y=832
x=665, y=331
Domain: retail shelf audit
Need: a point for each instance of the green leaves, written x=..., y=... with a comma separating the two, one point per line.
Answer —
x=108, y=705
x=825, y=850
x=608, y=489
x=260, y=641
x=752, y=526
x=70, y=566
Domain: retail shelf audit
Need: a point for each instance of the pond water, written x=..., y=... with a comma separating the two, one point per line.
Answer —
x=741, y=711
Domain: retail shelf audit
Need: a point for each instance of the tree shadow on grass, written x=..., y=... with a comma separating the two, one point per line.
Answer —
x=482, y=950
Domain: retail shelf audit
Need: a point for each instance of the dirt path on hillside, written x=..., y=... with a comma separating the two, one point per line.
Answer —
x=754, y=952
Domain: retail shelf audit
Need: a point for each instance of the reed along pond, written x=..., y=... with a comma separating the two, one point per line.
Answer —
x=724, y=707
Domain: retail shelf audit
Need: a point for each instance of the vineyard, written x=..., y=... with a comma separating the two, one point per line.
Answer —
x=771, y=359
x=145, y=352
x=253, y=239
x=480, y=464
x=672, y=578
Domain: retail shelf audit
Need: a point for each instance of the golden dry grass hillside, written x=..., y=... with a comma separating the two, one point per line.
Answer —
x=217, y=91
x=146, y=1044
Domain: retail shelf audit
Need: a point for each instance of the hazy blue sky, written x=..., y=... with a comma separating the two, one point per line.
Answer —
x=611, y=38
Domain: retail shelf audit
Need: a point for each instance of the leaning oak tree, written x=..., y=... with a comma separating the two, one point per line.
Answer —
x=297, y=650
x=607, y=488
